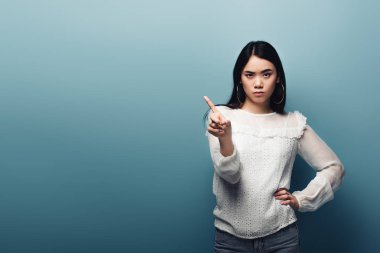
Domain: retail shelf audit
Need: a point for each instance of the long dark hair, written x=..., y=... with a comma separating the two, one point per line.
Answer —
x=266, y=51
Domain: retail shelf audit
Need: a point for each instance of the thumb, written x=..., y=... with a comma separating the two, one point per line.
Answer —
x=223, y=120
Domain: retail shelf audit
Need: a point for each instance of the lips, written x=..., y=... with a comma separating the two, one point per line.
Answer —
x=258, y=93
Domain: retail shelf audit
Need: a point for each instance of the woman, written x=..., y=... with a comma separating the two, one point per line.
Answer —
x=253, y=144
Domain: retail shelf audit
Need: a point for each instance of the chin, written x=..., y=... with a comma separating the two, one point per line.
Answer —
x=259, y=101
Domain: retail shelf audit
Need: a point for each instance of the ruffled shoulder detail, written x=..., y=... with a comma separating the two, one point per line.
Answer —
x=294, y=132
x=302, y=123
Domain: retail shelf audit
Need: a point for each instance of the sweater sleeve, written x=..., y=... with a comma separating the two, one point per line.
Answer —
x=329, y=171
x=227, y=167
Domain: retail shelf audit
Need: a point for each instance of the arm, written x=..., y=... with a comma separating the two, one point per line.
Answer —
x=329, y=171
x=225, y=158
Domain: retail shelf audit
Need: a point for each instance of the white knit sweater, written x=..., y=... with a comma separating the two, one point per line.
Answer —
x=265, y=147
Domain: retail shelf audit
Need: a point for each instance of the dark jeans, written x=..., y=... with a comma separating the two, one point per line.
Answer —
x=286, y=240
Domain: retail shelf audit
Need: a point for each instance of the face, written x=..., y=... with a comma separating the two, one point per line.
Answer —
x=259, y=75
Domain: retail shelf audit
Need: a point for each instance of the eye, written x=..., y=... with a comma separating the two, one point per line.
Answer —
x=267, y=74
x=248, y=75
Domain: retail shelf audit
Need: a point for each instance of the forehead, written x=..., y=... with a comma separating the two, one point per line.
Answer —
x=256, y=63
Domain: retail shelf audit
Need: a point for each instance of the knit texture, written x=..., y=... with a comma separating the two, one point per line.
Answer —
x=265, y=147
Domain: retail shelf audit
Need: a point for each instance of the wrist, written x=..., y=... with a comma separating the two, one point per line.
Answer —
x=226, y=146
x=226, y=140
x=297, y=199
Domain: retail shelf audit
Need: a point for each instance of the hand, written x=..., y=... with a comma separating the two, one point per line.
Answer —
x=219, y=126
x=289, y=199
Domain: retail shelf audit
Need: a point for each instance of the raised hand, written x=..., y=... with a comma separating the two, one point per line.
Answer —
x=219, y=126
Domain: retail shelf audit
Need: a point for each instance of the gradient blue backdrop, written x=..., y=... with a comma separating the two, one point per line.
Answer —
x=101, y=137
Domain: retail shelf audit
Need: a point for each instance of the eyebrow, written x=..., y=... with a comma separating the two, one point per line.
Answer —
x=251, y=72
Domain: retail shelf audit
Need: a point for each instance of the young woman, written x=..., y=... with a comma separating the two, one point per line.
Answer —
x=253, y=144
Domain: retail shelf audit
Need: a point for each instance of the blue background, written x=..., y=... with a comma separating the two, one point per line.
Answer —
x=101, y=137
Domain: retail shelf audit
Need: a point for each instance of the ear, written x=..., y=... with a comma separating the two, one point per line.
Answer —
x=278, y=80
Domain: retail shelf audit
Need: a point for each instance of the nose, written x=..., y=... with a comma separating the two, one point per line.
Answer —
x=258, y=83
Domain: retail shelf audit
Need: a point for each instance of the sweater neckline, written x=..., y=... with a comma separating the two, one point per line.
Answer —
x=257, y=114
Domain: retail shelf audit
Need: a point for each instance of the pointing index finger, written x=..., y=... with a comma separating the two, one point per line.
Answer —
x=210, y=104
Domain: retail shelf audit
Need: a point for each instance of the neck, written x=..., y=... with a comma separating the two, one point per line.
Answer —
x=256, y=108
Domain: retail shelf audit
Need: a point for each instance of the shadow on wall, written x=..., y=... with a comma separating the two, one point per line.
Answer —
x=334, y=227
